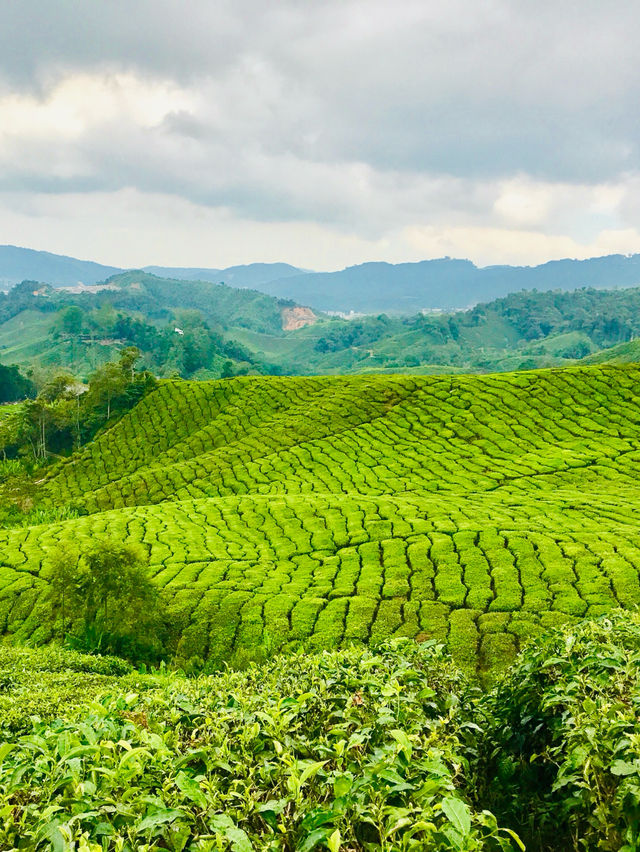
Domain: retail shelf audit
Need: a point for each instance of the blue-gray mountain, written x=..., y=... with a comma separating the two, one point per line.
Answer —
x=447, y=283
x=403, y=288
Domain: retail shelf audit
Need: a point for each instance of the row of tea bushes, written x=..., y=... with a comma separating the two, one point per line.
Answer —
x=243, y=577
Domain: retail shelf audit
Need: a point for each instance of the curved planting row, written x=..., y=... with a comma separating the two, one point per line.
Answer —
x=244, y=576
x=371, y=435
x=315, y=512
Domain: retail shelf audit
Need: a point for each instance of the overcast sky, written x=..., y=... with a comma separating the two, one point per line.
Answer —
x=320, y=132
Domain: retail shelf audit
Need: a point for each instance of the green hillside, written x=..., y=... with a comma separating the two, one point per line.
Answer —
x=623, y=353
x=180, y=327
x=224, y=331
x=525, y=330
x=285, y=512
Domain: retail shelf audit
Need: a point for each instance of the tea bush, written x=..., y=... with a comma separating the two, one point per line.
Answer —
x=46, y=682
x=561, y=753
x=354, y=749
x=282, y=513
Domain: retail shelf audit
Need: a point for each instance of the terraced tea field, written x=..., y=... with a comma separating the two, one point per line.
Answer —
x=280, y=512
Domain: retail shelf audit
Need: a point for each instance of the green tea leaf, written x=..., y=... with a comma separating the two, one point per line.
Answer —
x=458, y=814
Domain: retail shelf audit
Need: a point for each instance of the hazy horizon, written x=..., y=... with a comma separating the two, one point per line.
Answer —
x=285, y=261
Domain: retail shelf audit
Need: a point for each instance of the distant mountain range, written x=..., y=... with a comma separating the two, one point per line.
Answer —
x=23, y=264
x=447, y=284
x=20, y=264
x=251, y=275
x=405, y=288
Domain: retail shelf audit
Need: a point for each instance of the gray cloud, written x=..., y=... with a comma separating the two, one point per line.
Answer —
x=547, y=87
x=364, y=115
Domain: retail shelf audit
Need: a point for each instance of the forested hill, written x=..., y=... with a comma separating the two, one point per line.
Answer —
x=223, y=331
x=218, y=303
x=184, y=328
x=521, y=331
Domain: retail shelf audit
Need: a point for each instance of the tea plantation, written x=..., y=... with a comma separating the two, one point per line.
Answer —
x=280, y=513
x=384, y=749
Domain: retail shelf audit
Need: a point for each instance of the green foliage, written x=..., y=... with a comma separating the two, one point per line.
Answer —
x=348, y=750
x=283, y=513
x=561, y=754
x=105, y=600
x=13, y=385
x=380, y=748
x=77, y=332
x=66, y=413
x=43, y=683
x=71, y=320
x=523, y=331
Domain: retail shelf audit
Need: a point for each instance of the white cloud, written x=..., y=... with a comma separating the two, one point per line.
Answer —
x=523, y=202
x=369, y=127
x=82, y=101
x=130, y=228
x=488, y=246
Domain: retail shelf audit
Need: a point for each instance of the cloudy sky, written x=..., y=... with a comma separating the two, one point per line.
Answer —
x=320, y=132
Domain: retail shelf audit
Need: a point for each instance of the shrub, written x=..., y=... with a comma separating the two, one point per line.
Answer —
x=561, y=759
x=354, y=749
x=107, y=599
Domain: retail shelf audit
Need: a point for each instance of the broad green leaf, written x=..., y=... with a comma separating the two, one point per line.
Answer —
x=403, y=741
x=224, y=825
x=160, y=817
x=342, y=785
x=311, y=770
x=457, y=812
x=191, y=789
x=315, y=838
x=622, y=767
x=5, y=749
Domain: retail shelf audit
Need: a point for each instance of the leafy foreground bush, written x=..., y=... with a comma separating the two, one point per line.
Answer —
x=47, y=682
x=351, y=750
x=562, y=746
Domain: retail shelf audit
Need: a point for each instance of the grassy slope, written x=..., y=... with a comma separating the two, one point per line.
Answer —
x=493, y=344
x=27, y=320
x=25, y=336
x=623, y=353
x=25, y=340
x=319, y=511
x=523, y=331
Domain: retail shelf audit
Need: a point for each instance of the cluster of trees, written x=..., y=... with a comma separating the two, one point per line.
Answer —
x=103, y=600
x=24, y=297
x=437, y=329
x=13, y=385
x=143, y=311
x=184, y=345
x=608, y=317
x=481, y=337
x=66, y=412
x=349, y=333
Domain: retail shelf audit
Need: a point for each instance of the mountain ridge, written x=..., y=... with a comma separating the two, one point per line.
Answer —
x=373, y=287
